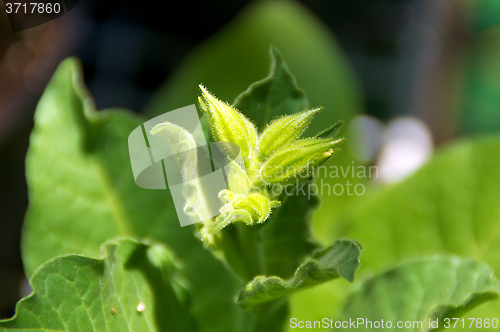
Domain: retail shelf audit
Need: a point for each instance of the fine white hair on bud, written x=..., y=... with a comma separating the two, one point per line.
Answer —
x=291, y=159
x=271, y=158
x=283, y=131
x=259, y=160
x=227, y=124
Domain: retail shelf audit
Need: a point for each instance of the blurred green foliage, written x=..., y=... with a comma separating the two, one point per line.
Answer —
x=426, y=290
x=238, y=56
x=449, y=206
x=480, y=108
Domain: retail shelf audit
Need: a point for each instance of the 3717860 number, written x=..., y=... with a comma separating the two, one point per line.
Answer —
x=33, y=8
x=470, y=323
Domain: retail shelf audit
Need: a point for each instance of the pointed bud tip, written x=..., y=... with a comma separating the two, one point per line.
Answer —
x=207, y=95
x=328, y=153
x=202, y=87
x=339, y=140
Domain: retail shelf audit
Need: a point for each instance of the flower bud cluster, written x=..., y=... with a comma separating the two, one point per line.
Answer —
x=274, y=156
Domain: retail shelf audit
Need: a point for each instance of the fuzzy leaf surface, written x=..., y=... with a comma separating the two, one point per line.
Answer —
x=274, y=96
x=82, y=192
x=437, y=288
x=126, y=290
x=448, y=206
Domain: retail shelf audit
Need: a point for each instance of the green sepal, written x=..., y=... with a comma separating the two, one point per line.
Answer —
x=237, y=179
x=284, y=130
x=227, y=124
x=331, y=131
x=297, y=158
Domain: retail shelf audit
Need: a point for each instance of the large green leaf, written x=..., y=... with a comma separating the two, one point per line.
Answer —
x=127, y=290
x=274, y=96
x=74, y=204
x=435, y=288
x=449, y=206
x=341, y=260
x=82, y=192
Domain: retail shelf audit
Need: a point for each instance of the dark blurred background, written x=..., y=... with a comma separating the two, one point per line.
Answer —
x=402, y=51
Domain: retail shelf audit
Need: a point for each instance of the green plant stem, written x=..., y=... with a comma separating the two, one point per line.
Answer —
x=249, y=238
x=238, y=244
x=270, y=317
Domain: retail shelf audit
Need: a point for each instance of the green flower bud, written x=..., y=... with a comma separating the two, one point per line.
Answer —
x=296, y=157
x=284, y=130
x=277, y=155
x=238, y=198
x=215, y=225
x=227, y=124
x=259, y=206
x=237, y=178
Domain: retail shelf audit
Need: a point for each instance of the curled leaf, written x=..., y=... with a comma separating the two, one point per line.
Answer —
x=259, y=205
x=184, y=146
x=341, y=260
